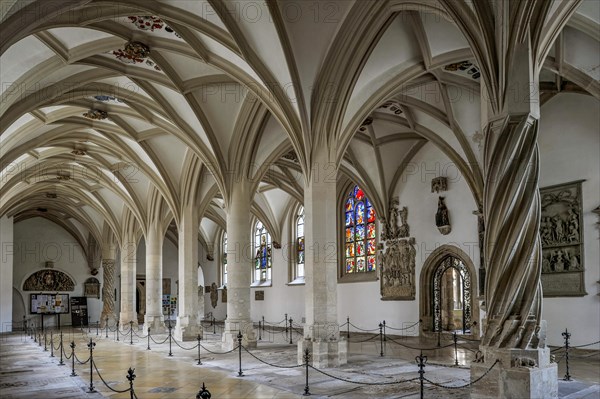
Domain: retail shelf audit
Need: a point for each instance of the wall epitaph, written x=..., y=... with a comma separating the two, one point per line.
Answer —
x=397, y=257
x=562, y=240
x=214, y=295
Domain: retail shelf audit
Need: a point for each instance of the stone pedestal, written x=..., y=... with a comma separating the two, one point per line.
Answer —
x=230, y=335
x=155, y=323
x=187, y=329
x=521, y=373
x=324, y=353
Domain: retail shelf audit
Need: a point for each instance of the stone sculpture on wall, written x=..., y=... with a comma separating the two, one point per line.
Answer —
x=562, y=240
x=439, y=184
x=397, y=260
x=214, y=295
x=49, y=280
x=442, y=220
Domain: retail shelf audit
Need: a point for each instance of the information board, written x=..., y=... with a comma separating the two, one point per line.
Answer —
x=49, y=303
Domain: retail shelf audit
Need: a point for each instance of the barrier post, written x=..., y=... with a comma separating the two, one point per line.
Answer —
x=348, y=327
x=239, y=338
x=91, y=347
x=384, y=336
x=117, y=332
x=51, y=343
x=214, y=325
x=567, y=336
x=203, y=393
x=263, y=325
x=40, y=338
x=381, y=338
x=97, y=327
x=259, y=331
x=106, y=326
x=61, y=363
x=73, y=373
x=421, y=361
x=89, y=323
x=439, y=337
x=131, y=377
x=131, y=332
x=170, y=329
x=148, y=348
x=45, y=341
x=291, y=331
x=306, y=360
x=199, y=338
x=455, y=339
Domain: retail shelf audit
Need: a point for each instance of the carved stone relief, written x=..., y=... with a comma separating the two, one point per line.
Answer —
x=214, y=295
x=397, y=259
x=49, y=280
x=562, y=240
x=439, y=184
x=442, y=221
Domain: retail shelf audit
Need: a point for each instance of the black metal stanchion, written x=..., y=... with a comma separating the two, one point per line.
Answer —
x=34, y=336
x=348, y=327
x=91, y=347
x=291, y=331
x=97, y=327
x=117, y=332
x=51, y=343
x=306, y=360
x=263, y=325
x=439, y=337
x=203, y=393
x=45, y=341
x=567, y=336
x=106, y=322
x=199, y=338
x=131, y=332
x=148, y=348
x=214, y=326
x=239, y=338
x=455, y=339
x=259, y=331
x=40, y=338
x=89, y=323
x=381, y=338
x=61, y=363
x=286, y=329
x=72, y=345
x=384, y=337
x=421, y=361
x=170, y=335
x=131, y=377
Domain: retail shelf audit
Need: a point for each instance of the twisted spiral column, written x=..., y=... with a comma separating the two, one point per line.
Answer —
x=512, y=245
x=108, y=289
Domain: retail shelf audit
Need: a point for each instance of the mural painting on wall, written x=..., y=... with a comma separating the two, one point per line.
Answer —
x=397, y=257
x=562, y=240
x=49, y=280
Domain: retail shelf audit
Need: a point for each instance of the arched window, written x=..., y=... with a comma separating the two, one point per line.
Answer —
x=224, y=258
x=360, y=233
x=262, y=251
x=300, y=243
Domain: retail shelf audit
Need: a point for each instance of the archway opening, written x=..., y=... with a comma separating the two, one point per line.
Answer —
x=451, y=297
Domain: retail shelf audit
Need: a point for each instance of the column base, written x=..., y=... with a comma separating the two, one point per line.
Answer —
x=187, y=329
x=521, y=373
x=332, y=353
x=232, y=328
x=125, y=319
x=155, y=323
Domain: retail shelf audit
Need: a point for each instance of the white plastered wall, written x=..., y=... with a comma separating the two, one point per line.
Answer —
x=6, y=273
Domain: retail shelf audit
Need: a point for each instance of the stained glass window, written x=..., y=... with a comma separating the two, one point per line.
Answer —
x=224, y=254
x=360, y=233
x=300, y=243
x=262, y=253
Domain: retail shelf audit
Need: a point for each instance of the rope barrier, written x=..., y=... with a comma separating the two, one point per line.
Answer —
x=79, y=361
x=364, y=340
x=466, y=385
x=106, y=384
x=159, y=343
x=362, y=329
x=362, y=383
x=218, y=353
x=419, y=349
x=184, y=348
x=65, y=354
x=270, y=364
x=402, y=329
x=583, y=346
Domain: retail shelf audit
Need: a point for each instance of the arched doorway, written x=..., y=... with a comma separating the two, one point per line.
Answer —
x=451, y=296
x=446, y=297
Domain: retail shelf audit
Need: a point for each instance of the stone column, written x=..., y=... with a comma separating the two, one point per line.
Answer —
x=128, y=272
x=321, y=331
x=188, y=325
x=108, y=285
x=239, y=268
x=153, y=318
x=514, y=332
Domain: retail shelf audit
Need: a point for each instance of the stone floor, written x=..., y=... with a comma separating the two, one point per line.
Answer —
x=27, y=371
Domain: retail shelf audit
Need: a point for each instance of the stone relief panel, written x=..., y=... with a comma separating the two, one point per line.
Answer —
x=49, y=280
x=562, y=240
x=214, y=295
x=397, y=257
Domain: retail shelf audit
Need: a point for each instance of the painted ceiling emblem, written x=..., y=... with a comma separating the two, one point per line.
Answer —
x=133, y=53
x=464, y=66
x=366, y=123
x=96, y=114
x=150, y=23
x=392, y=106
x=105, y=99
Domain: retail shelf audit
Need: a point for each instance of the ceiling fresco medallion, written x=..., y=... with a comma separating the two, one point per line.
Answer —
x=95, y=114
x=150, y=23
x=133, y=53
x=464, y=66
